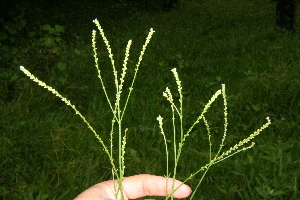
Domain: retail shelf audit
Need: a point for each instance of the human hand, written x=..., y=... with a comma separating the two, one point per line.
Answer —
x=134, y=187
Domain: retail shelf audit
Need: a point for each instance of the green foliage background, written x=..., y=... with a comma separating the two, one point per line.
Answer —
x=48, y=153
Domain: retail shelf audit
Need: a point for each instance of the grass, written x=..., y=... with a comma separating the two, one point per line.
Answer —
x=47, y=153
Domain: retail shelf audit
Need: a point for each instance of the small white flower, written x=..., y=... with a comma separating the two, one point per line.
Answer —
x=159, y=118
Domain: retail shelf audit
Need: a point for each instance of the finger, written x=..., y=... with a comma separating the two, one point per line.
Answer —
x=101, y=191
x=150, y=185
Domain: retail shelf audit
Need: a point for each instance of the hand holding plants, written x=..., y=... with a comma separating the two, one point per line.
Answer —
x=143, y=185
x=135, y=187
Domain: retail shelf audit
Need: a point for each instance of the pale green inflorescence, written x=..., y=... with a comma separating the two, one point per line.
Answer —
x=117, y=110
x=53, y=91
x=218, y=157
x=118, y=113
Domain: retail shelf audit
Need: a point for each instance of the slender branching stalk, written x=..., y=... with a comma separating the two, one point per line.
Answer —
x=118, y=110
x=219, y=156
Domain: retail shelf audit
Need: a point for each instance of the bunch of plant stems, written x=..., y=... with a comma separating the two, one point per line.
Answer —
x=118, y=110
